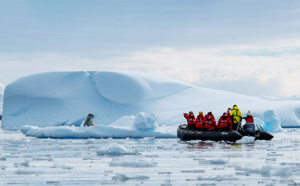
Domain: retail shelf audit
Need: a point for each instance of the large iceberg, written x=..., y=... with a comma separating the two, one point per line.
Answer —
x=65, y=98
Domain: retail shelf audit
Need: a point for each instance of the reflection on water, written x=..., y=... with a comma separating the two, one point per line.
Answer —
x=200, y=145
x=220, y=145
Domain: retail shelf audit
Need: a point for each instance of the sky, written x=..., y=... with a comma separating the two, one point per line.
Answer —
x=250, y=47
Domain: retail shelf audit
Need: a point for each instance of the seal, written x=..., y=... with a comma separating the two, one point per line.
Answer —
x=88, y=121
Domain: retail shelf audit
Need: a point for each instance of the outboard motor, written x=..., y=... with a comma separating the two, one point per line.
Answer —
x=249, y=129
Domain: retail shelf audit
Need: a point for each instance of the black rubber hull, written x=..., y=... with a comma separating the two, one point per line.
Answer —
x=184, y=134
x=263, y=135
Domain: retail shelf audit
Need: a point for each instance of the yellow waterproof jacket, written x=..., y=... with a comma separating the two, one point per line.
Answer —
x=236, y=114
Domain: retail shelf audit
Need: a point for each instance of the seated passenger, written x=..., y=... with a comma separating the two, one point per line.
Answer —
x=210, y=123
x=191, y=120
x=228, y=112
x=249, y=118
x=224, y=122
x=249, y=127
x=200, y=121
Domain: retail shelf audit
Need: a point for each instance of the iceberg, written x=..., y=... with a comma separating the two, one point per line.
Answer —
x=272, y=121
x=124, y=103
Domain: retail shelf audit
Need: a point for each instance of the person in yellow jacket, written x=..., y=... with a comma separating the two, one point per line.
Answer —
x=235, y=116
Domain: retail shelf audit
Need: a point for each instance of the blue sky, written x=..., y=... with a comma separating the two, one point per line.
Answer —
x=39, y=36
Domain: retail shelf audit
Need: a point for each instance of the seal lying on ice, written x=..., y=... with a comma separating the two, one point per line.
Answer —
x=88, y=121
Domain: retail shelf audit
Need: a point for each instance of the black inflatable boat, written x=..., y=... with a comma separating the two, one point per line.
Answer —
x=184, y=133
x=187, y=134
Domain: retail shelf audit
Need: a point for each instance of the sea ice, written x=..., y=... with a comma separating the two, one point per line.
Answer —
x=103, y=131
x=131, y=163
x=115, y=150
x=124, y=177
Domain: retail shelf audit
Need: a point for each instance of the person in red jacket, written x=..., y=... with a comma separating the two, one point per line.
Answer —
x=200, y=120
x=224, y=122
x=191, y=120
x=228, y=112
x=249, y=118
x=210, y=123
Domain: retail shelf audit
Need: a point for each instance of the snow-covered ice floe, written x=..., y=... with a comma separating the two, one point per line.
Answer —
x=139, y=126
x=115, y=150
x=100, y=131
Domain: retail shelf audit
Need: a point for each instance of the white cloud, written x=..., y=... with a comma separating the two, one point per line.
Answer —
x=274, y=68
x=264, y=69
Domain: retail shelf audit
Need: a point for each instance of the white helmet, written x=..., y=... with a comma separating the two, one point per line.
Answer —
x=248, y=113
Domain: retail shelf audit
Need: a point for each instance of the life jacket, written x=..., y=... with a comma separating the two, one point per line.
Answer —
x=190, y=118
x=200, y=121
x=224, y=121
x=249, y=119
x=210, y=122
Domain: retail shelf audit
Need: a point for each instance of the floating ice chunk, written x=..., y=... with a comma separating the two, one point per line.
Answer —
x=166, y=184
x=274, y=154
x=290, y=164
x=25, y=163
x=267, y=171
x=272, y=121
x=131, y=163
x=23, y=172
x=26, y=172
x=52, y=182
x=247, y=169
x=145, y=122
x=50, y=158
x=271, y=159
x=120, y=177
x=219, y=178
x=193, y=171
x=217, y=161
x=164, y=172
x=124, y=177
x=115, y=150
x=63, y=166
x=285, y=171
x=247, y=139
x=165, y=147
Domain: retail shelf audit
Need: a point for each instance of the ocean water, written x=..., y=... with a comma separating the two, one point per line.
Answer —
x=148, y=161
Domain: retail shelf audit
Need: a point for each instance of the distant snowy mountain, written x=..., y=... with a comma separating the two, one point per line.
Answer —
x=65, y=98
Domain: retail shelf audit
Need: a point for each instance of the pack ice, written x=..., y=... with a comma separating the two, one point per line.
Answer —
x=127, y=103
